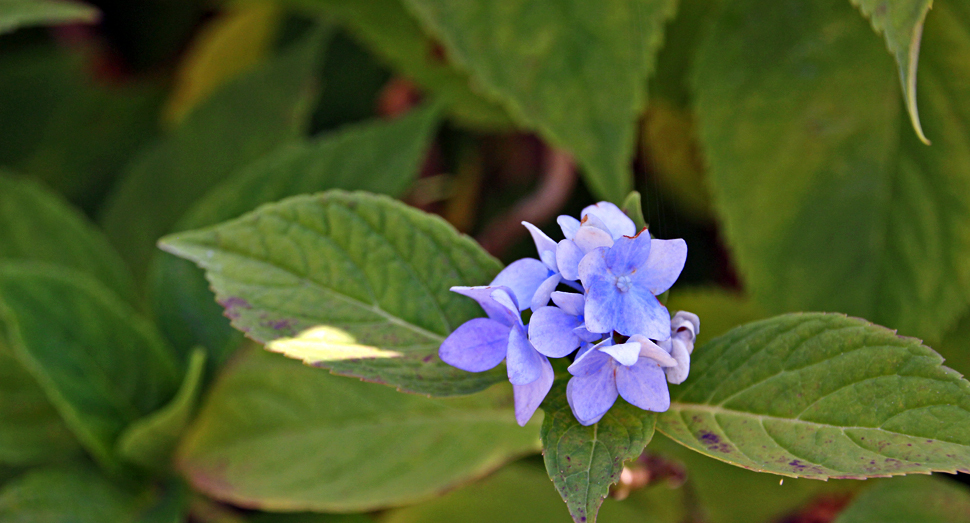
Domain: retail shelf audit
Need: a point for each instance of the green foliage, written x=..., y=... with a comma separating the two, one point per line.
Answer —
x=584, y=461
x=66, y=494
x=574, y=71
x=150, y=441
x=381, y=157
x=633, y=208
x=244, y=120
x=20, y=13
x=101, y=365
x=910, y=500
x=829, y=202
x=822, y=396
x=352, y=282
x=278, y=435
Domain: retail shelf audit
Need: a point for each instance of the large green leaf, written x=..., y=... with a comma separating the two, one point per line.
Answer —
x=67, y=495
x=573, y=70
x=101, y=365
x=912, y=499
x=247, y=118
x=583, y=462
x=20, y=13
x=901, y=22
x=381, y=157
x=352, y=282
x=829, y=200
x=277, y=435
x=819, y=396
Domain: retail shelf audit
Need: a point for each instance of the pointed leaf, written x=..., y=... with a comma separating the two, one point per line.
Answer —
x=829, y=202
x=381, y=157
x=913, y=499
x=633, y=208
x=901, y=22
x=101, y=365
x=21, y=13
x=822, y=396
x=352, y=282
x=574, y=71
x=583, y=462
x=278, y=435
x=77, y=495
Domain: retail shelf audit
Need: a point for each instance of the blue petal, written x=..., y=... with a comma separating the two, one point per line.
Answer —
x=529, y=396
x=545, y=246
x=591, y=361
x=568, y=256
x=523, y=363
x=569, y=226
x=624, y=353
x=504, y=297
x=644, y=385
x=523, y=277
x=663, y=266
x=615, y=219
x=476, y=345
x=543, y=293
x=678, y=373
x=551, y=332
x=629, y=255
x=586, y=336
x=591, y=237
x=570, y=302
x=649, y=349
x=602, y=296
x=590, y=397
x=637, y=311
x=494, y=309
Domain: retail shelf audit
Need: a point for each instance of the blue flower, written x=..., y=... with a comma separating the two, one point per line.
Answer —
x=684, y=327
x=631, y=370
x=622, y=281
x=481, y=344
x=557, y=331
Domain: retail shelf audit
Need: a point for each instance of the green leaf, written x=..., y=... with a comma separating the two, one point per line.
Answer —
x=955, y=347
x=352, y=282
x=583, y=462
x=381, y=157
x=822, y=396
x=633, y=208
x=901, y=22
x=21, y=13
x=36, y=225
x=394, y=35
x=244, y=120
x=150, y=441
x=277, y=435
x=309, y=517
x=59, y=495
x=101, y=365
x=911, y=499
x=829, y=201
x=573, y=70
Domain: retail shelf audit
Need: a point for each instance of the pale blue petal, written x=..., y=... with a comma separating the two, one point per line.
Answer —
x=629, y=255
x=649, y=349
x=504, y=297
x=685, y=326
x=624, y=353
x=615, y=219
x=476, y=345
x=663, y=266
x=494, y=309
x=545, y=246
x=583, y=349
x=589, y=238
x=569, y=302
x=551, y=332
x=590, y=397
x=523, y=363
x=523, y=277
x=569, y=226
x=541, y=297
x=568, y=256
x=677, y=374
x=644, y=385
x=585, y=335
x=639, y=312
x=528, y=397
x=602, y=296
x=588, y=362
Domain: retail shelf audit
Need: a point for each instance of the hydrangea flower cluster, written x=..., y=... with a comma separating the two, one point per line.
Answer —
x=624, y=340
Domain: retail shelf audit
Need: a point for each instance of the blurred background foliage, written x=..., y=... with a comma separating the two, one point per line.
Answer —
x=772, y=135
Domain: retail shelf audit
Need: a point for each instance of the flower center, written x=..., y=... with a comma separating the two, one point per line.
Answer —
x=623, y=283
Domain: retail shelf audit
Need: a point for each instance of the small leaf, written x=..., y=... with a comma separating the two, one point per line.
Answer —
x=382, y=157
x=101, y=365
x=633, y=208
x=574, y=71
x=352, y=282
x=913, y=499
x=150, y=441
x=901, y=22
x=75, y=495
x=822, y=396
x=583, y=462
x=244, y=120
x=278, y=435
x=21, y=13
